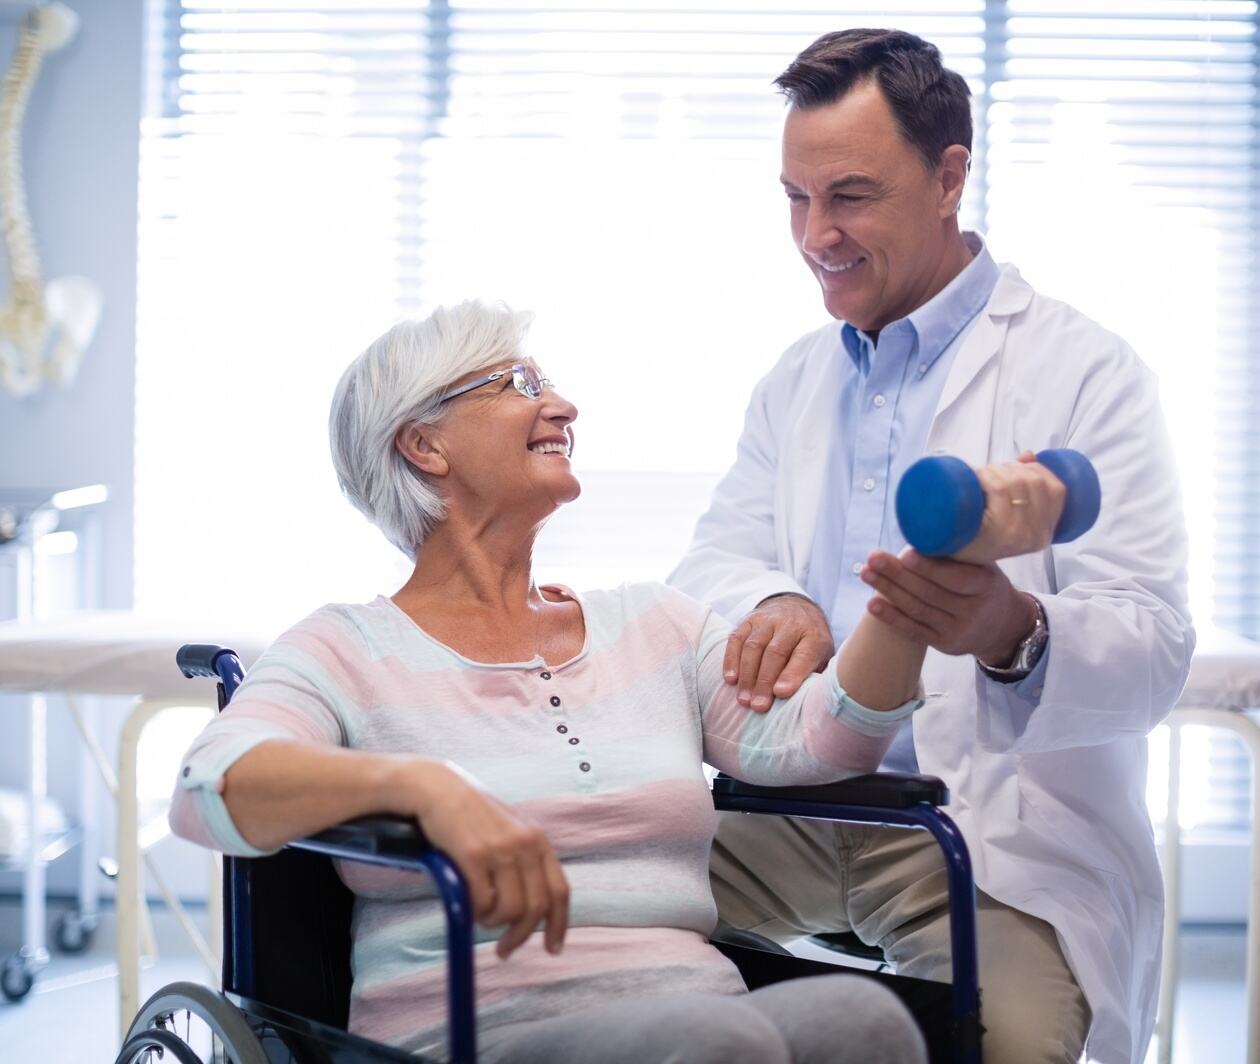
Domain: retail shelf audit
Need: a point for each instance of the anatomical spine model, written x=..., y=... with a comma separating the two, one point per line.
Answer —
x=44, y=329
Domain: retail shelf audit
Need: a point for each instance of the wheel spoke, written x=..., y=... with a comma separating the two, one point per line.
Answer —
x=214, y=1031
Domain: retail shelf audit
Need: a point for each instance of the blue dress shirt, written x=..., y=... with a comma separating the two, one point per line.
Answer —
x=884, y=411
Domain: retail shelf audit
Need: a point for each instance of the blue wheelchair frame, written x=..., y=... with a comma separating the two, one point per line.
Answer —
x=886, y=799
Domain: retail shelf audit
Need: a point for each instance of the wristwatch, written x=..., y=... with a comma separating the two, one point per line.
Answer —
x=1027, y=654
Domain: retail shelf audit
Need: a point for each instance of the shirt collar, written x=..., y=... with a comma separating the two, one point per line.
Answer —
x=938, y=322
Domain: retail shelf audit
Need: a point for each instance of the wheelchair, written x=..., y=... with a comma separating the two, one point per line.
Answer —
x=286, y=946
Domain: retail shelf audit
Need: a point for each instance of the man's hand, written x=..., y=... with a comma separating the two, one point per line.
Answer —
x=1023, y=501
x=779, y=644
x=954, y=607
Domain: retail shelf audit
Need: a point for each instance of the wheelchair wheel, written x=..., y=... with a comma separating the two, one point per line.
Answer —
x=195, y=1025
x=154, y=1045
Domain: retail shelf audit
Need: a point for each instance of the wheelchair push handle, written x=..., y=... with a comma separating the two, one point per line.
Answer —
x=940, y=504
x=198, y=659
x=214, y=662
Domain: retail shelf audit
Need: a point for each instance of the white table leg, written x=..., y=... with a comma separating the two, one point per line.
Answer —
x=34, y=947
x=131, y=908
x=214, y=913
x=89, y=822
x=1172, y=900
x=1246, y=727
x=130, y=881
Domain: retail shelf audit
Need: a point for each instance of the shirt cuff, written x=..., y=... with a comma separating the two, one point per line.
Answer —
x=1004, y=710
x=874, y=723
x=1030, y=687
x=202, y=774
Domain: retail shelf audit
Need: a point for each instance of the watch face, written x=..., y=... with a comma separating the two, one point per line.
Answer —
x=1027, y=654
x=1031, y=648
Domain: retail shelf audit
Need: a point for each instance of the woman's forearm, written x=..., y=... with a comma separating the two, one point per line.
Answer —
x=281, y=790
x=879, y=667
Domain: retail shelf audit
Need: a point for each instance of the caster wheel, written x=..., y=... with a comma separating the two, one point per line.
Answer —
x=16, y=977
x=73, y=931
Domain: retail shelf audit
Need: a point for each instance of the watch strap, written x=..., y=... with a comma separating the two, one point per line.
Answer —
x=1027, y=654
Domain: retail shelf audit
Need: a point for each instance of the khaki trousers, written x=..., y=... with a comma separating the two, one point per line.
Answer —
x=784, y=878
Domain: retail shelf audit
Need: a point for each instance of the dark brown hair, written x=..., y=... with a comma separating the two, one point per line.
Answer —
x=932, y=104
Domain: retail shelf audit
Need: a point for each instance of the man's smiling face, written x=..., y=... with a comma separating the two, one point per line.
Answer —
x=866, y=210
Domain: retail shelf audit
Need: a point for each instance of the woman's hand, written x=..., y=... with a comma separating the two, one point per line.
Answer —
x=513, y=875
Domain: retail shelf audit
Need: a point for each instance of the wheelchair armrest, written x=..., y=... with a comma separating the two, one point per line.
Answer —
x=398, y=842
x=371, y=838
x=885, y=790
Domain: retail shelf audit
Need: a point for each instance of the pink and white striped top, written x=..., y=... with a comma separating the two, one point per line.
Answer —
x=604, y=752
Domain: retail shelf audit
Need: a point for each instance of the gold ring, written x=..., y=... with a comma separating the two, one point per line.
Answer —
x=1019, y=502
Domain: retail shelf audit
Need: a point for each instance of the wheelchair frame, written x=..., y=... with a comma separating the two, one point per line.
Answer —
x=893, y=799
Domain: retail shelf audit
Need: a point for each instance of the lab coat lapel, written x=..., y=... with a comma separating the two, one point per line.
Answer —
x=963, y=420
x=803, y=481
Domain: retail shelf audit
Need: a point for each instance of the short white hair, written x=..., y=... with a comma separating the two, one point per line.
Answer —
x=398, y=380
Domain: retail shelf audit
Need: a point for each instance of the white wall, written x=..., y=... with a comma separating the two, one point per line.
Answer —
x=81, y=138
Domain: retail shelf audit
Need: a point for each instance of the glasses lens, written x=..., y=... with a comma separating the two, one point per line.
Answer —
x=528, y=381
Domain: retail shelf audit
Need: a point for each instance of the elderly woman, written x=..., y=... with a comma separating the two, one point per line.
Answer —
x=551, y=743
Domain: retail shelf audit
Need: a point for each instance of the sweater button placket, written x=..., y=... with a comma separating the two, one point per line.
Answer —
x=584, y=766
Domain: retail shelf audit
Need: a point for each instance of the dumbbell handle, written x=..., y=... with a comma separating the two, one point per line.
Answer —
x=940, y=504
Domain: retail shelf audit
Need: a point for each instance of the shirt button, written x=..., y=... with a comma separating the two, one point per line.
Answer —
x=868, y=484
x=574, y=741
x=585, y=766
x=562, y=728
x=922, y=368
x=555, y=700
x=545, y=675
x=857, y=568
x=879, y=400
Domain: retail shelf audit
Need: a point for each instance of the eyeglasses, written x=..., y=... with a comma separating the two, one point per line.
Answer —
x=525, y=379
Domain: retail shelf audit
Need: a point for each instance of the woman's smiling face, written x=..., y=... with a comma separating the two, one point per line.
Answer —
x=502, y=450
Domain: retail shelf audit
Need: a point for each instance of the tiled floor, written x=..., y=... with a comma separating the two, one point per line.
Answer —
x=71, y=1014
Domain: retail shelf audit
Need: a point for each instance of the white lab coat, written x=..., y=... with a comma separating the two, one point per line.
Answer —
x=1050, y=799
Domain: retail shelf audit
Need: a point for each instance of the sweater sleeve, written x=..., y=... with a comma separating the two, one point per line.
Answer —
x=298, y=691
x=819, y=735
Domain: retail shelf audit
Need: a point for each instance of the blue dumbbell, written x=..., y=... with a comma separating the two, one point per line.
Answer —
x=940, y=502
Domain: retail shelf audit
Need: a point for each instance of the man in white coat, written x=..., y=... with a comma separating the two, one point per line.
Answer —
x=1047, y=671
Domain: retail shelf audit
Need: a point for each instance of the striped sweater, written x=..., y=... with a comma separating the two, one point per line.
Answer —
x=604, y=752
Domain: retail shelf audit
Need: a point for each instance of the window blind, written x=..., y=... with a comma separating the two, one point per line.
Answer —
x=1123, y=178
x=311, y=172
x=1123, y=171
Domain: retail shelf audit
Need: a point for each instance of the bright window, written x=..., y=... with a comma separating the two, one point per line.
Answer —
x=312, y=173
